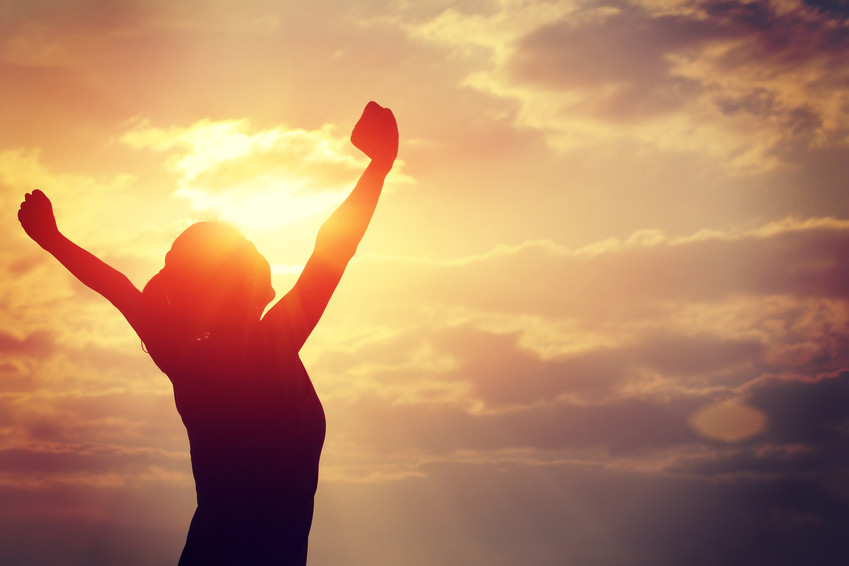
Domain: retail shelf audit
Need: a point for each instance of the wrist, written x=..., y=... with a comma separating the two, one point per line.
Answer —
x=382, y=165
x=50, y=240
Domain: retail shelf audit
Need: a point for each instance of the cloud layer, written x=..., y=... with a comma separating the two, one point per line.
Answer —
x=600, y=317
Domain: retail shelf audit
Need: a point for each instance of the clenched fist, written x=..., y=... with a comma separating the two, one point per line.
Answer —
x=376, y=134
x=36, y=218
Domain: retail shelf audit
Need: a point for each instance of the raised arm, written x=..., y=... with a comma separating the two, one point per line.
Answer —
x=36, y=218
x=297, y=313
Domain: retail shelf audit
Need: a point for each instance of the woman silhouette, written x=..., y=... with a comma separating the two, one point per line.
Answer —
x=255, y=424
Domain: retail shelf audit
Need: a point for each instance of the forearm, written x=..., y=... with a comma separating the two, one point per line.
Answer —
x=90, y=270
x=340, y=235
x=37, y=220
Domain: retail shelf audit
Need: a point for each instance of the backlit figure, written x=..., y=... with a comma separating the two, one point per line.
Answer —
x=255, y=424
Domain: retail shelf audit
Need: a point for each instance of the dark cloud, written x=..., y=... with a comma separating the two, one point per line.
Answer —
x=797, y=121
x=787, y=40
x=623, y=426
x=628, y=49
x=803, y=413
x=72, y=461
x=836, y=9
x=502, y=373
x=37, y=344
x=824, y=467
x=813, y=411
x=686, y=356
x=806, y=433
x=632, y=52
x=757, y=102
x=775, y=498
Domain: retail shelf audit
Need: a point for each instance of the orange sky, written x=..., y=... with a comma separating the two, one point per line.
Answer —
x=600, y=316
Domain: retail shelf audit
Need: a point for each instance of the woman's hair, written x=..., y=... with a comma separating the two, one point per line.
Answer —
x=212, y=275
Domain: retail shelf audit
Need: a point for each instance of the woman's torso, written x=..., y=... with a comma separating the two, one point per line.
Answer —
x=256, y=429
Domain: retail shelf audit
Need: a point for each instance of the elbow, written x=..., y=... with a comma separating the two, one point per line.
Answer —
x=333, y=248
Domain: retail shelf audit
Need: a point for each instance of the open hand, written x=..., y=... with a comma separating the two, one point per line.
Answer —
x=376, y=134
x=36, y=218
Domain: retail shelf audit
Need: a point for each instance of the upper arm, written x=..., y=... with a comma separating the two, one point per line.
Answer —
x=295, y=316
x=155, y=332
x=127, y=299
x=115, y=287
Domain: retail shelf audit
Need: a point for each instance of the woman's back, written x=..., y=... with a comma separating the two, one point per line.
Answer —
x=256, y=429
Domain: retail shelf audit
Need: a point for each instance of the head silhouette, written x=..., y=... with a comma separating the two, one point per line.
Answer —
x=213, y=279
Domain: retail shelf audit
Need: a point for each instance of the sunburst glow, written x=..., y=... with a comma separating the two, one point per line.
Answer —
x=261, y=208
x=259, y=179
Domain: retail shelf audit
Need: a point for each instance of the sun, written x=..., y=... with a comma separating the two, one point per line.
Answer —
x=257, y=178
x=262, y=208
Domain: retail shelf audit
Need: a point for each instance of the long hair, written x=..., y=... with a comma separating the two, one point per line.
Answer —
x=212, y=275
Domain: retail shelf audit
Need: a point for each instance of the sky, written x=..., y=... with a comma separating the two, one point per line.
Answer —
x=600, y=318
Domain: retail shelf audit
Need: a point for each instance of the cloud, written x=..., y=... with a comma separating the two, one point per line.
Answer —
x=529, y=364
x=832, y=8
x=622, y=51
x=60, y=33
x=106, y=214
x=810, y=410
x=524, y=372
x=92, y=465
x=39, y=344
x=648, y=277
x=738, y=82
x=503, y=361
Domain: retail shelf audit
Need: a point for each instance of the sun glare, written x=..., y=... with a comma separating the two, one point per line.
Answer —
x=260, y=208
x=260, y=179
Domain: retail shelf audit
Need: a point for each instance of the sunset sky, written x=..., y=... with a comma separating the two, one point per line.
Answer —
x=600, y=318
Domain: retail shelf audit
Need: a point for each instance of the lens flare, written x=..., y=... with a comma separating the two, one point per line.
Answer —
x=729, y=421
